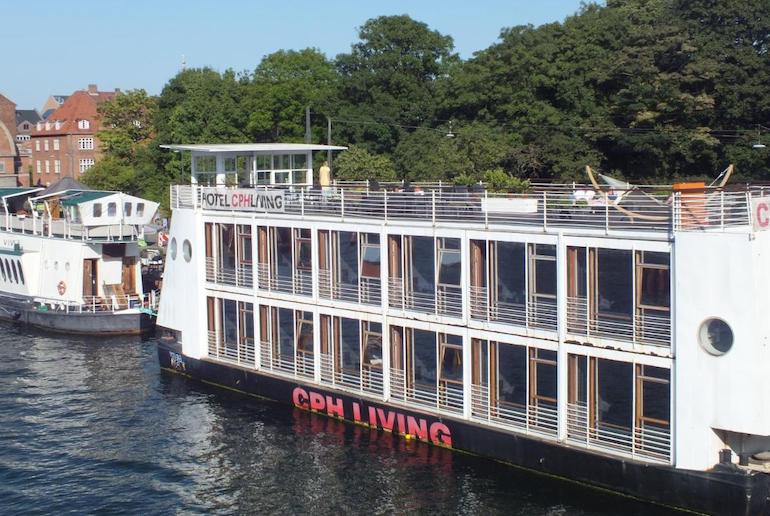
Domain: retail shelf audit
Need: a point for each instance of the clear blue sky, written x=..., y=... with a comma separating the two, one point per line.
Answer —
x=58, y=47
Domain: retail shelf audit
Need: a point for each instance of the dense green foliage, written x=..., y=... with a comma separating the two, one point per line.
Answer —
x=649, y=90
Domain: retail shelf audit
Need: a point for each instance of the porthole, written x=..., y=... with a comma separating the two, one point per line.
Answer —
x=56, y=266
x=172, y=248
x=67, y=266
x=187, y=250
x=715, y=336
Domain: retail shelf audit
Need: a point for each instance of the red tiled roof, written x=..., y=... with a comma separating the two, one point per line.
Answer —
x=81, y=105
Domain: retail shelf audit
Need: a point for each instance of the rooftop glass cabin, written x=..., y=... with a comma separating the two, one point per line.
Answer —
x=564, y=313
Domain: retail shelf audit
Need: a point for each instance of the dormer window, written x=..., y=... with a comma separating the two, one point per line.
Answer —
x=26, y=126
x=48, y=126
x=84, y=124
x=39, y=126
x=57, y=125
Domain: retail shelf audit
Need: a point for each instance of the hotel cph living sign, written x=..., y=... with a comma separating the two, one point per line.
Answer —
x=760, y=213
x=242, y=199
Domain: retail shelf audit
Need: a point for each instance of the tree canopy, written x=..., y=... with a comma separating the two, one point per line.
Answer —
x=649, y=90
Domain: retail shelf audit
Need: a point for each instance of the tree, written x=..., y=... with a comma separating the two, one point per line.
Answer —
x=389, y=81
x=358, y=164
x=127, y=123
x=113, y=174
x=282, y=86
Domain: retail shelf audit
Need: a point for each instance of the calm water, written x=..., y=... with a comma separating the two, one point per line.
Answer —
x=92, y=425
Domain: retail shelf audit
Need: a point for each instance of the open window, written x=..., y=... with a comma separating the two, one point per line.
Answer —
x=653, y=410
x=450, y=371
x=449, y=293
x=542, y=290
x=479, y=300
x=304, y=333
x=653, y=297
x=395, y=271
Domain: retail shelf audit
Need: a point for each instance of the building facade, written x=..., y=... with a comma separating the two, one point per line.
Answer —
x=9, y=154
x=65, y=144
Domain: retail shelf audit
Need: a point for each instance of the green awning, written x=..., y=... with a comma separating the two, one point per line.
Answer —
x=15, y=191
x=81, y=197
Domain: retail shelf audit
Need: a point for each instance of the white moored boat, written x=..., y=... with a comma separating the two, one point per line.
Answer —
x=616, y=337
x=69, y=260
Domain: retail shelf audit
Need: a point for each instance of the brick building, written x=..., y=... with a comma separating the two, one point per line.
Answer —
x=9, y=154
x=65, y=144
x=26, y=121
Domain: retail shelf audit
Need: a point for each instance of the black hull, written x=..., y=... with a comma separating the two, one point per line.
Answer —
x=723, y=490
x=98, y=323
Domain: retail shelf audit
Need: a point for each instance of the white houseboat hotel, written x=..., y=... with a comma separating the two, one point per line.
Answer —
x=614, y=336
x=69, y=259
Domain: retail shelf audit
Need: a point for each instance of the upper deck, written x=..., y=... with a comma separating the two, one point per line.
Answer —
x=650, y=212
x=276, y=179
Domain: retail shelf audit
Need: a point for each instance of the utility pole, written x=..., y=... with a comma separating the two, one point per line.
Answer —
x=307, y=124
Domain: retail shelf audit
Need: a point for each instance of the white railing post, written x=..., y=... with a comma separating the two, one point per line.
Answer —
x=385, y=205
x=433, y=206
x=484, y=206
x=545, y=211
x=722, y=210
x=342, y=203
x=302, y=203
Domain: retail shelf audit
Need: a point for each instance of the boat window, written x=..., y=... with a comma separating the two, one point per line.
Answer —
x=229, y=324
x=653, y=407
x=303, y=256
x=542, y=373
x=264, y=162
x=140, y=209
x=653, y=284
x=451, y=358
x=370, y=255
x=244, y=244
x=347, y=263
x=299, y=161
x=263, y=177
x=449, y=261
x=305, y=336
x=284, y=350
x=282, y=162
x=349, y=356
x=298, y=177
x=127, y=209
x=613, y=280
x=372, y=342
x=187, y=250
x=613, y=403
x=509, y=275
x=2, y=270
x=576, y=272
x=21, y=272
x=422, y=265
x=283, y=252
x=97, y=209
x=246, y=326
x=543, y=276
x=511, y=372
x=12, y=274
x=226, y=246
x=282, y=177
x=205, y=164
x=424, y=369
x=112, y=209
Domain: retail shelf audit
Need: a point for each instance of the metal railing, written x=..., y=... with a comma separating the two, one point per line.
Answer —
x=558, y=206
x=541, y=313
x=365, y=380
x=448, y=397
x=66, y=229
x=367, y=291
x=240, y=352
x=540, y=418
x=445, y=300
x=238, y=276
x=650, y=442
x=301, y=282
x=275, y=362
x=650, y=329
x=109, y=304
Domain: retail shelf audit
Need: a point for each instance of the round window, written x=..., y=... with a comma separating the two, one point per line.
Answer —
x=715, y=336
x=187, y=250
x=172, y=248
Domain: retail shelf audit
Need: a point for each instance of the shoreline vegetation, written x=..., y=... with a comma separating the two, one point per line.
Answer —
x=650, y=91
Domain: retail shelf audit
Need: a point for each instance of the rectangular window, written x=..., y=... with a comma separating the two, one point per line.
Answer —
x=85, y=164
x=97, y=209
x=140, y=209
x=127, y=209
x=86, y=143
x=45, y=145
x=39, y=167
x=112, y=209
x=370, y=256
x=57, y=167
x=56, y=144
x=205, y=164
x=37, y=145
x=304, y=343
x=47, y=167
